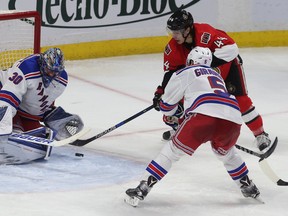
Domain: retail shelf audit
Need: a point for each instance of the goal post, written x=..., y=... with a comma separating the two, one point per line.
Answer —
x=20, y=33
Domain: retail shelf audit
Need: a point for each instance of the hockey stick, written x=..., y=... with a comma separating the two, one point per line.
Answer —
x=270, y=173
x=263, y=155
x=72, y=138
x=79, y=142
x=42, y=141
x=265, y=167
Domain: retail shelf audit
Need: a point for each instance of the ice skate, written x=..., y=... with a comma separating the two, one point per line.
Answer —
x=248, y=188
x=263, y=141
x=134, y=195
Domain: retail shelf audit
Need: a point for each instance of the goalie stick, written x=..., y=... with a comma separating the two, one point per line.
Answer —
x=79, y=142
x=265, y=167
x=75, y=139
x=47, y=142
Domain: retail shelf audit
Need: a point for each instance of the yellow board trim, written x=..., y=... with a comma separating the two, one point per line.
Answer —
x=135, y=46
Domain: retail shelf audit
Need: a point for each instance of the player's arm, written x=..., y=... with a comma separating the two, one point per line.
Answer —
x=14, y=88
x=224, y=54
x=160, y=89
x=170, y=99
x=225, y=49
x=171, y=64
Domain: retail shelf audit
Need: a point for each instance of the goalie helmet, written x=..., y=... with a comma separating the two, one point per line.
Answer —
x=199, y=55
x=51, y=65
x=180, y=20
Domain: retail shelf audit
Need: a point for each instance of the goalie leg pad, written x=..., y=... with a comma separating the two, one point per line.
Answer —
x=43, y=132
x=19, y=151
x=23, y=147
x=64, y=124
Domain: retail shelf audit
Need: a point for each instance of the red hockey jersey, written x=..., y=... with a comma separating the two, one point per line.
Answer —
x=204, y=35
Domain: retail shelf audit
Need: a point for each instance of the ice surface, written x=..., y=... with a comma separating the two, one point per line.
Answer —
x=106, y=91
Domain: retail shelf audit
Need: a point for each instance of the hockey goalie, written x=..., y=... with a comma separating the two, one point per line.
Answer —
x=29, y=119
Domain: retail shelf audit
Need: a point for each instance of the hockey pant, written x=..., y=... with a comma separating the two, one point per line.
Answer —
x=22, y=124
x=21, y=148
x=176, y=148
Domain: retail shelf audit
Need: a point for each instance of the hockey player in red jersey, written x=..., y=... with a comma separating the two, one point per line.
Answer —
x=211, y=114
x=226, y=60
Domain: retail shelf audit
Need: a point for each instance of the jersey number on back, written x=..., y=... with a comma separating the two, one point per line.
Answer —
x=217, y=85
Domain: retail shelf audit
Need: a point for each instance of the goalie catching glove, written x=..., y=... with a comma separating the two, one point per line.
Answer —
x=64, y=124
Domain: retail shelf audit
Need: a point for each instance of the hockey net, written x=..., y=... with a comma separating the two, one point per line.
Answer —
x=19, y=36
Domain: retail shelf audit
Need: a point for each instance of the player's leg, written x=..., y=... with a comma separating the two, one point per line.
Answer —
x=225, y=137
x=189, y=136
x=254, y=121
x=236, y=85
x=238, y=171
x=155, y=171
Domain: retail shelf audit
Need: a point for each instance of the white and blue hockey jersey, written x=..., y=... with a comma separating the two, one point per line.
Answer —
x=22, y=89
x=204, y=91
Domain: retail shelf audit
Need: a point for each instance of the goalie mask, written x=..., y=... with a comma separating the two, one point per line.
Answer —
x=199, y=55
x=51, y=65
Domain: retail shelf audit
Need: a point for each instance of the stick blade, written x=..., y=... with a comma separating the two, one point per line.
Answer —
x=267, y=170
x=271, y=150
x=80, y=143
x=71, y=139
x=281, y=182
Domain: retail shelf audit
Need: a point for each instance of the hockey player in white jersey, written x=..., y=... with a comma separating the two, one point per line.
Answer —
x=210, y=114
x=28, y=91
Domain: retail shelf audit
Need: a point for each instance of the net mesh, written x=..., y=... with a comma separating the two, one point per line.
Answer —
x=16, y=38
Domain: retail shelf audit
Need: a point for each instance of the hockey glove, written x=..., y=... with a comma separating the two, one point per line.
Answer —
x=157, y=96
x=63, y=123
x=176, y=119
x=171, y=121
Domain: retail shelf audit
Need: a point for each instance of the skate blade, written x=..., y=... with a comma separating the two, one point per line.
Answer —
x=258, y=199
x=133, y=201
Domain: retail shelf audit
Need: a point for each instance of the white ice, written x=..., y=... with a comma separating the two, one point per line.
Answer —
x=106, y=91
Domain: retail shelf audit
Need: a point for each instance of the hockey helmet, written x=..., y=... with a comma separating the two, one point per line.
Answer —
x=199, y=55
x=51, y=65
x=180, y=20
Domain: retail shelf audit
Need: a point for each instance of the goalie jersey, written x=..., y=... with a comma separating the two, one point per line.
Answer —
x=204, y=92
x=22, y=89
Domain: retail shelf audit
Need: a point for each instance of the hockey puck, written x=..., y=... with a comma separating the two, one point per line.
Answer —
x=79, y=155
